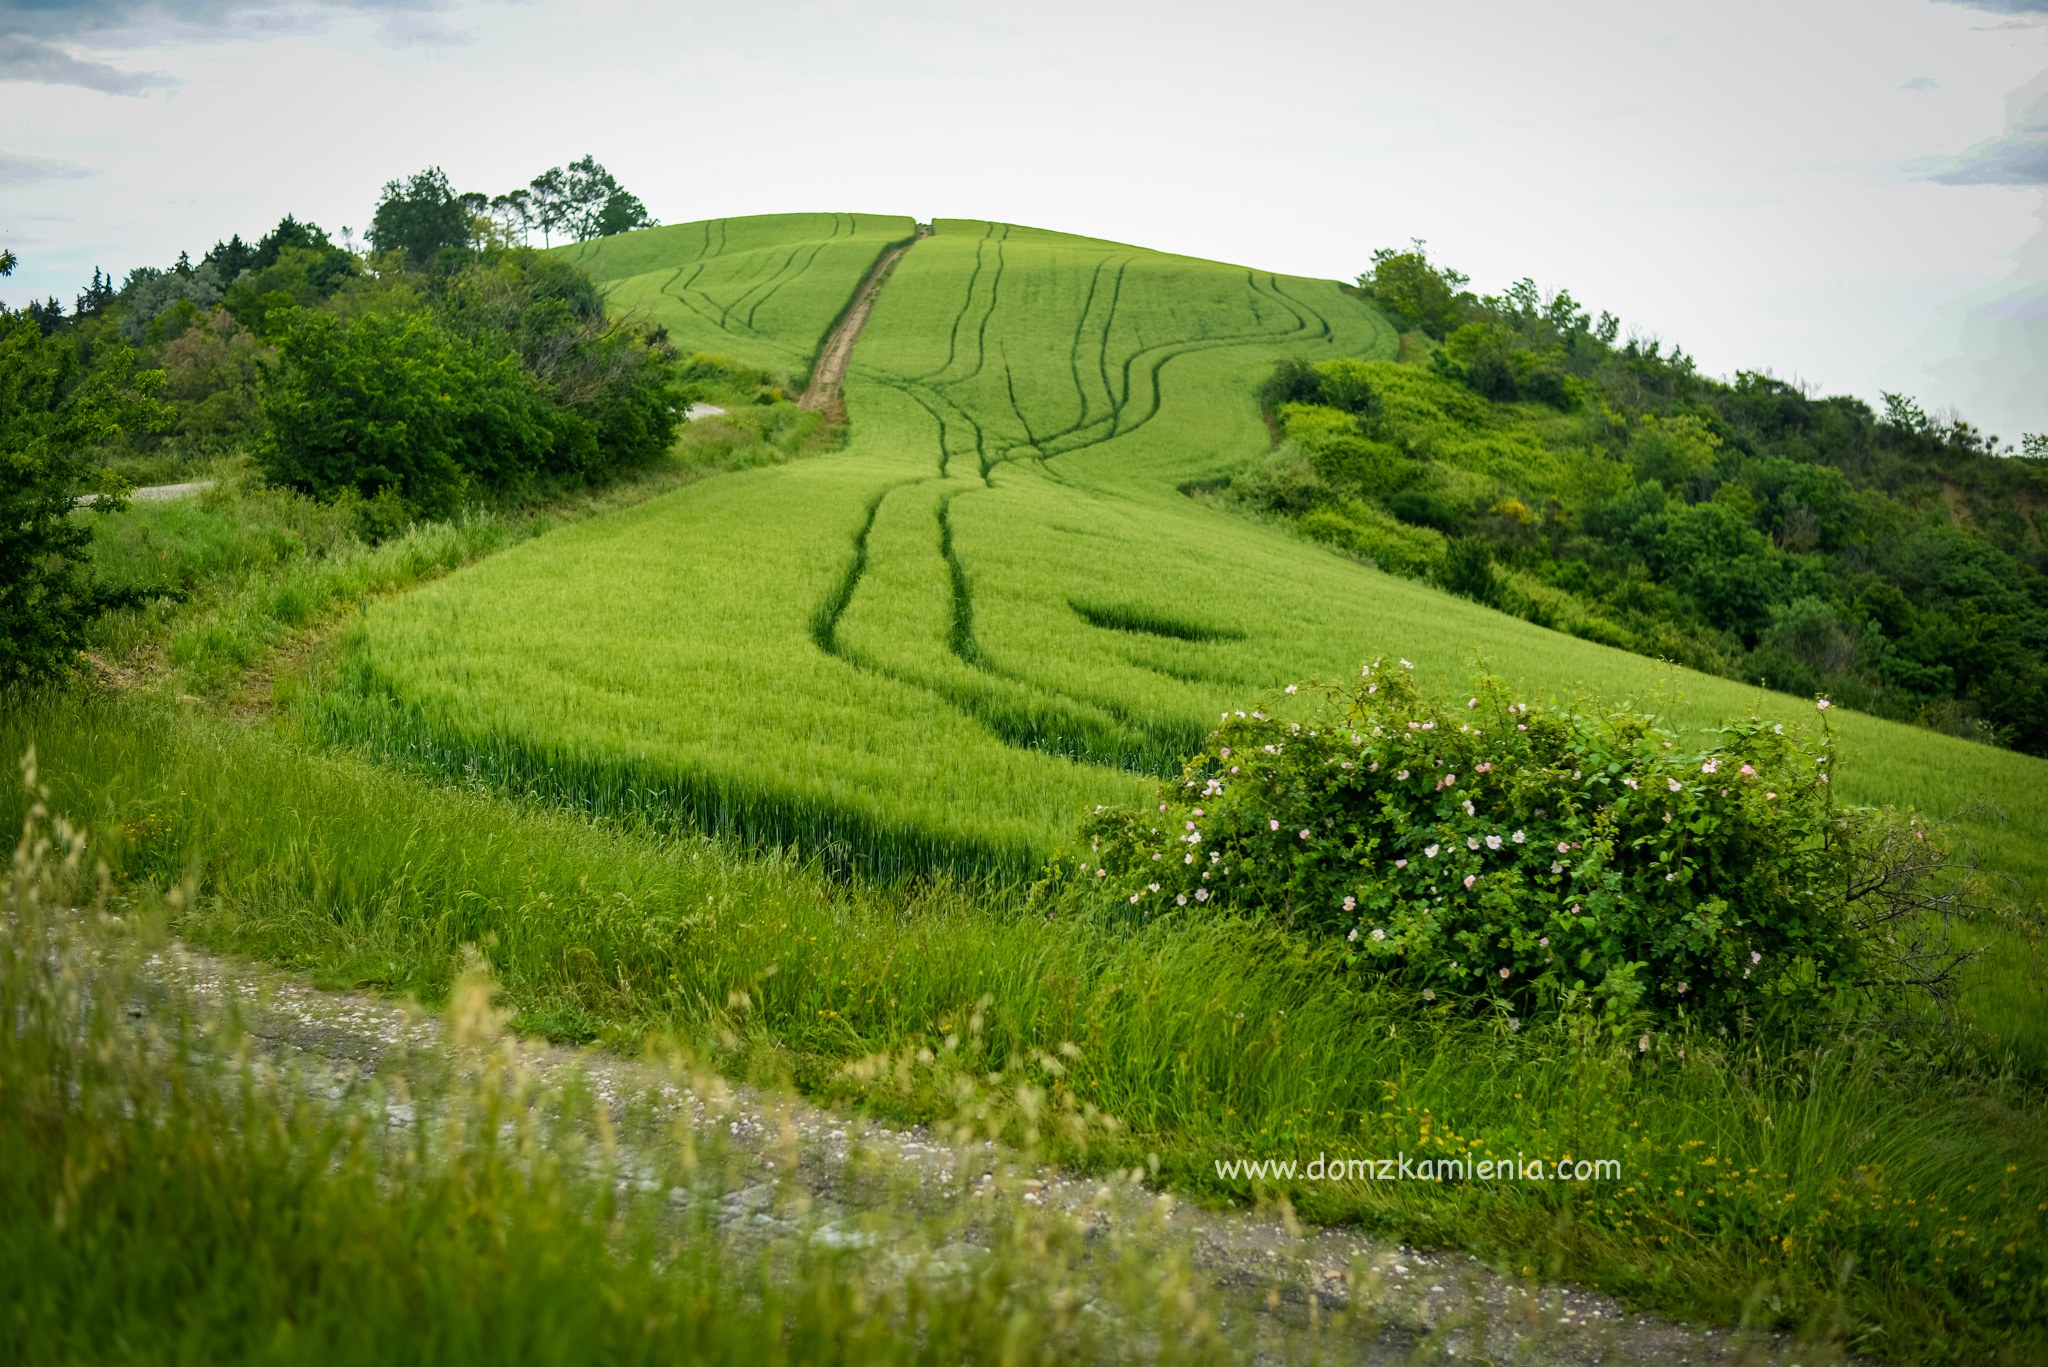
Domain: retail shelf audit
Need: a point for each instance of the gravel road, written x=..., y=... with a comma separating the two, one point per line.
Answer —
x=1276, y=1279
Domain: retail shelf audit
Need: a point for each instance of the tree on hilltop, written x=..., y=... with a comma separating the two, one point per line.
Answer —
x=1423, y=297
x=598, y=205
x=419, y=216
x=547, y=198
x=576, y=202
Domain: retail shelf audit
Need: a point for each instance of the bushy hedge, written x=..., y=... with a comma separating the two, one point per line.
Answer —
x=509, y=373
x=395, y=402
x=1505, y=855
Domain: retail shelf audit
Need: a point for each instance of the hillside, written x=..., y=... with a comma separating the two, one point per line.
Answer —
x=932, y=634
x=995, y=607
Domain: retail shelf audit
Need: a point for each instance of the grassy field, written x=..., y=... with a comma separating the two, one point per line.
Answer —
x=935, y=648
x=171, y=1191
x=1752, y=1171
x=996, y=605
x=765, y=289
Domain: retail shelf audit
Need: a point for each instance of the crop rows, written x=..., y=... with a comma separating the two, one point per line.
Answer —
x=994, y=608
x=763, y=288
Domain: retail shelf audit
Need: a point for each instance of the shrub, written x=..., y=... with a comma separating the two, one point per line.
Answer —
x=1504, y=856
x=1364, y=531
x=1481, y=355
x=394, y=401
x=1293, y=381
x=60, y=402
x=1426, y=508
x=1346, y=384
x=1467, y=569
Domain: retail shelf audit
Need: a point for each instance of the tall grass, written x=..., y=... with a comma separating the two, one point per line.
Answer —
x=165, y=1196
x=1868, y=1185
x=238, y=570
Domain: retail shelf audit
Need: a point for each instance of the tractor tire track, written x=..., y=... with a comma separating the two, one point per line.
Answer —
x=777, y=283
x=1169, y=351
x=773, y=276
x=1074, y=347
x=825, y=621
x=995, y=299
x=966, y=304
x=1051, y=719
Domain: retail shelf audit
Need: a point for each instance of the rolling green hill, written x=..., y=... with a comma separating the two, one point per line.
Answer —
x=996, y=606
x=760, y=289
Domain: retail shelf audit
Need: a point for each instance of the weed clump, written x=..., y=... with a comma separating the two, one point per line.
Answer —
x=1512, y=857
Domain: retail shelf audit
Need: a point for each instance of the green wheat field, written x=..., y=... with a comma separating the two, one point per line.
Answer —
x=799, y=737
x=1005, y=600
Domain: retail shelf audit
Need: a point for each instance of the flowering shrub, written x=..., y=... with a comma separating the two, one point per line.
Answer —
x=1499, y=853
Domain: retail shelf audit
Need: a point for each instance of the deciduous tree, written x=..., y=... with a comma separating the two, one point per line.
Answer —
x=419, y=216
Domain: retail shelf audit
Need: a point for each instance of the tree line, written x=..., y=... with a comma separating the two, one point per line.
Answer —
x=448, y=361
x=1531, y=456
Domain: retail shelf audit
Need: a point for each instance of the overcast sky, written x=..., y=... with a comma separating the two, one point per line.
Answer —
x=1844, y=192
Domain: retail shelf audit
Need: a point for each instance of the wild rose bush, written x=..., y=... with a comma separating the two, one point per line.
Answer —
x=1498, y=853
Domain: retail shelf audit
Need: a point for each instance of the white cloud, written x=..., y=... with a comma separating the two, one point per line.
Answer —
x=1743, y=182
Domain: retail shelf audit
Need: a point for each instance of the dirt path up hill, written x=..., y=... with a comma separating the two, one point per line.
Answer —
x=822, y=395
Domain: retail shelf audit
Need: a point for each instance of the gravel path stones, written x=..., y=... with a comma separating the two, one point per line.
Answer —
x=1278, y=1280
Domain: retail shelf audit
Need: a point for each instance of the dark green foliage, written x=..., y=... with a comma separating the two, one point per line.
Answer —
x=395, y=402
x=1419, y=296
x=1709, y=552
x=97, y=297
x=614, y=385
x=1468, y=569
x=294, y=266
x=47, y=314
x=1292, y=381
x=510, y=372
x=1749, y=529
x=231, y=257
x=1503, y=855
x=420, y=216
x=61, y=399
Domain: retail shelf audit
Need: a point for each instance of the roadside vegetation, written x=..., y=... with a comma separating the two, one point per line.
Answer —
x=1757, y=1165
x=168, y=1194
x=854, y=760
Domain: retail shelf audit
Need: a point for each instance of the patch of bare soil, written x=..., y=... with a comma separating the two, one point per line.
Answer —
x=822, y=394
